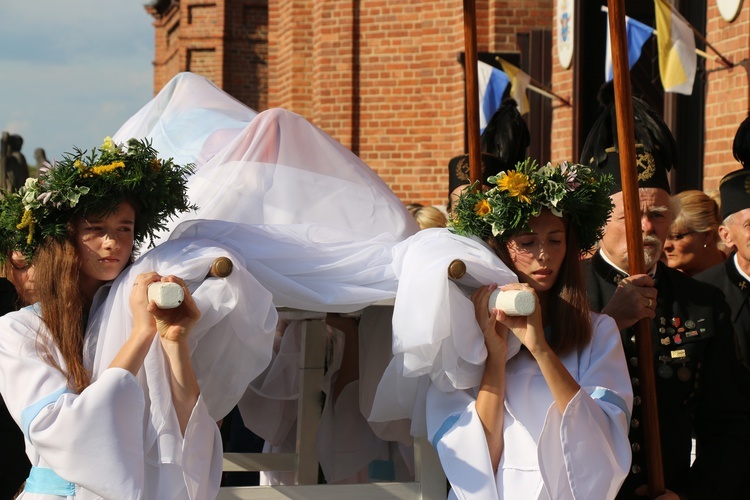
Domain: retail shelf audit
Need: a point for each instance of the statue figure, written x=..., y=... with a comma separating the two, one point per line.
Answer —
x=40, y=157
x=15, y=170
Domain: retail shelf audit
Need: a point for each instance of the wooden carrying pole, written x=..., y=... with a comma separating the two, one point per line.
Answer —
x=472, y=89
x=220, y=268
x=631, y=203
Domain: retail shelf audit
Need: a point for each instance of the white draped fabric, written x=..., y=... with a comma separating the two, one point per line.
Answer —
x=309, y=226
x=191, y=119
x=321, y=231
x=231, y=343
x=274, y=167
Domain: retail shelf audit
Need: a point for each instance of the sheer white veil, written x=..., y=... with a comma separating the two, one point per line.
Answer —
x=310, y=226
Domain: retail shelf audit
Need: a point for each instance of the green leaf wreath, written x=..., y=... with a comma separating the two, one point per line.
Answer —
x=567, y=190
x=96, y=183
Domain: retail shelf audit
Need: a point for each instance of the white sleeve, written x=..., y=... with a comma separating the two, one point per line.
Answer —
x=457, y=434
x=201, y=471
x=585, y=452
x=93, y=439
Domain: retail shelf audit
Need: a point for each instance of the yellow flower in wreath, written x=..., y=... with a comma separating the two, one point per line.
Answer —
x=103, y=169
x=109, y=145
x=517, y=185
x=482, y=208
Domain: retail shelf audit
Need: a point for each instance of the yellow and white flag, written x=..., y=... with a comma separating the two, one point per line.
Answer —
x=519, y=81
x=676, y=42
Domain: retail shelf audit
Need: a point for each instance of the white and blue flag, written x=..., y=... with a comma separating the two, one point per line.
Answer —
x=492, y=84
x=637, y=34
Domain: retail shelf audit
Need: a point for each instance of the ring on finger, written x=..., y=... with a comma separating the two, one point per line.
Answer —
x=649, y=303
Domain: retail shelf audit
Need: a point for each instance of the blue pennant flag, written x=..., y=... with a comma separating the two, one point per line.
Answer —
x=637, y=34
x=492, y=83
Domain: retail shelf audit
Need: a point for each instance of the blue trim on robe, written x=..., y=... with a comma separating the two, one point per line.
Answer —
x=445, y=427
x=35, y=308
x=30, y=413
x=44, y=481
x=612, y=398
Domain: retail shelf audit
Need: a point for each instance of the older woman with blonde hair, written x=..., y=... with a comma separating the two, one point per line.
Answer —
x=693, y=244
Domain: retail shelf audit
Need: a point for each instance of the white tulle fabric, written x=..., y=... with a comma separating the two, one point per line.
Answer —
x=319, y=230
x=191, y=119
x=274, y=167
x=230, y=345
x=436, y=338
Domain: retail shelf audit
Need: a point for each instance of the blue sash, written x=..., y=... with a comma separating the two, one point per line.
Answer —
x=44, y=481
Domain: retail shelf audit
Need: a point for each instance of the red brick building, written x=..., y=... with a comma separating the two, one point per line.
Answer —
x=385, y=77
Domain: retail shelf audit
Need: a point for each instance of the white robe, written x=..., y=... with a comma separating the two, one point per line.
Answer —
x=583, y=453
x=95, y=440
x=120, y=437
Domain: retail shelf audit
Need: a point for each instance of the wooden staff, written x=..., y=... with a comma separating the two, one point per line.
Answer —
x=472, y=90
x=626, y=145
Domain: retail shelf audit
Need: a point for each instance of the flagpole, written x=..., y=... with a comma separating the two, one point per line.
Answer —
x=547, y=93
x=472, y=90
x=704, y=54
x=539, y=88
x=626, y=148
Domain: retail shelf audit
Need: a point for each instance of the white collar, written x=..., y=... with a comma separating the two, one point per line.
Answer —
x=739, y=269
x=651, y=272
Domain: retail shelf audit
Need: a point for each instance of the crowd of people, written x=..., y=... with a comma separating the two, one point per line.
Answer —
x=108, y=395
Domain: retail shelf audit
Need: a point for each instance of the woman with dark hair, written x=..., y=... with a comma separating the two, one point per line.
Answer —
x=550, y=415
x=86, y=435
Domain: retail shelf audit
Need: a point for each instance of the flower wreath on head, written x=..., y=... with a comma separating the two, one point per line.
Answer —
x=567, y=190
x=81, y=185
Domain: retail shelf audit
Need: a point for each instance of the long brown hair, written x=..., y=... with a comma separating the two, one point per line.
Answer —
x=64, y=308
x=568, y=304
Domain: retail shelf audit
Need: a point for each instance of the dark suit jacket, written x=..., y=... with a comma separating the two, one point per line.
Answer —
x=697, y=391
x=736, y=290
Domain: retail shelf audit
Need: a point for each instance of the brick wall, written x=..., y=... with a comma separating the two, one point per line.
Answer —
x=226, y=42
x=167, y=48
x=380, y=76
x=727, y=101
x=562, y=83
x=290, y=43
x=411, y=95
x=246, y=52
x=508, y=18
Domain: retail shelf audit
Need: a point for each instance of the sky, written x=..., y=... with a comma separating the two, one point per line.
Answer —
x=72, y=71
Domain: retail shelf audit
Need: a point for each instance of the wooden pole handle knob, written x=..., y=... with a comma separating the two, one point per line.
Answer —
x=456, y=269
x=221, y=268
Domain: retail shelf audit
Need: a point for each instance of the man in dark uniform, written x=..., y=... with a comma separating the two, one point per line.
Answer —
x=503, y=143
x=733, y=276
x=692, y=338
